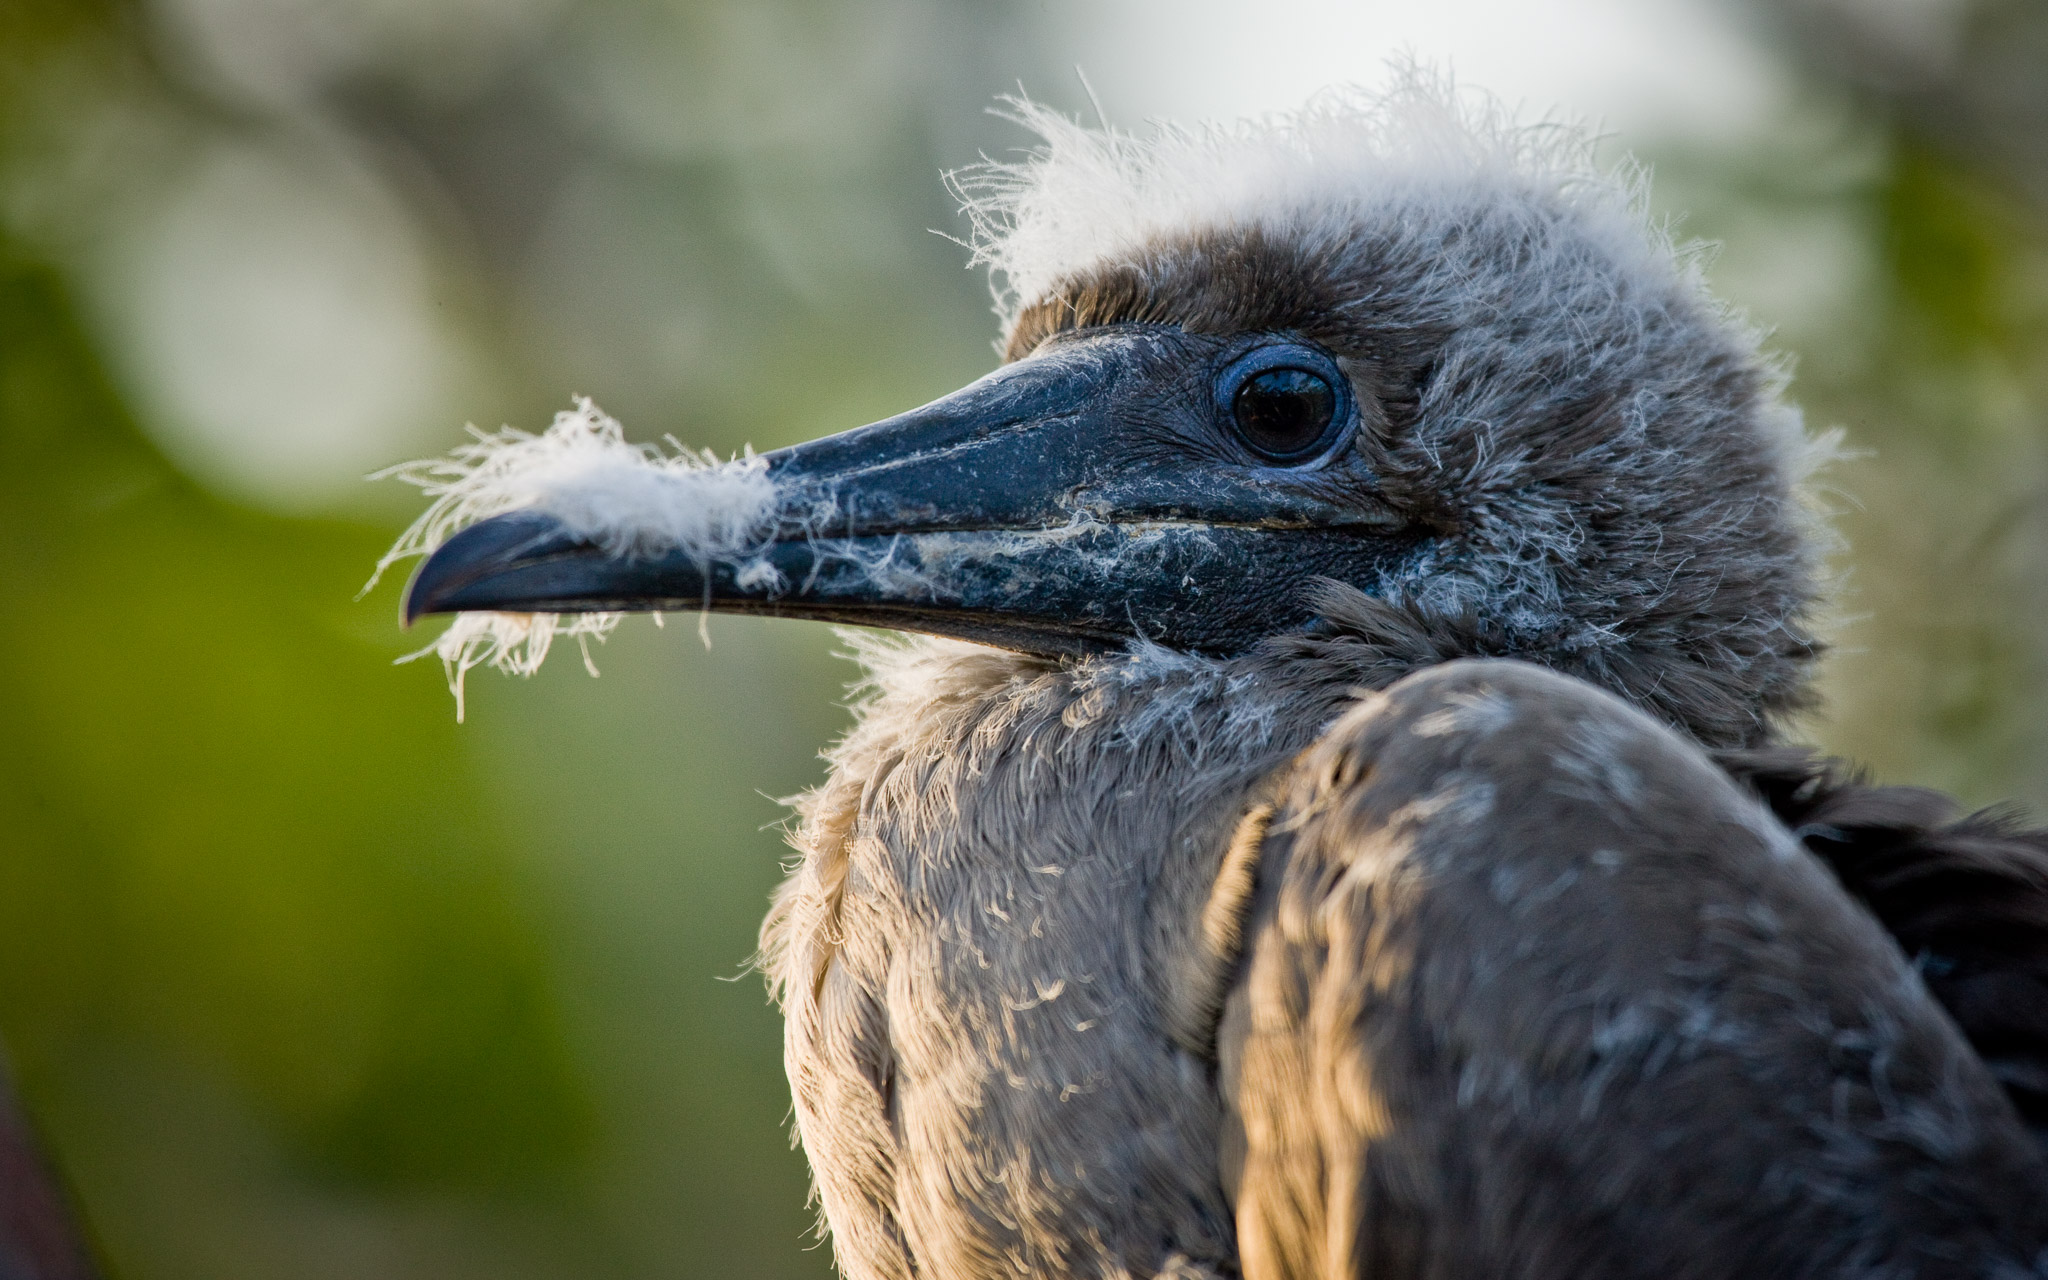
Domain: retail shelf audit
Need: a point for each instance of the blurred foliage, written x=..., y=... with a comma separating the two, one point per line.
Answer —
x=234, y=892
x=304, y=980
x=1895, y=236
x=300, y=978
x=229, y=838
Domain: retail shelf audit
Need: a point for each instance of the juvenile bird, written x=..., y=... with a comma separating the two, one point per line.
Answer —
x=1342, y=828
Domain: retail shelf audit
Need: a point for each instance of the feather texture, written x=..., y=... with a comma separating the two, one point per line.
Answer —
x=1020, y=964
x=1532, y=989
x=1965, y=896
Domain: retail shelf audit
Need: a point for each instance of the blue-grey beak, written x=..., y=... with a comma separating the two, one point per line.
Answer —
x=1063, y=504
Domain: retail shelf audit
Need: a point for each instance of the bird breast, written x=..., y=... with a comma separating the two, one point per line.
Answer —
x=1002, y=957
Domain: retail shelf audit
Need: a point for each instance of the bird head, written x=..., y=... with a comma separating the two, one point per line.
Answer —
x=1388, y=367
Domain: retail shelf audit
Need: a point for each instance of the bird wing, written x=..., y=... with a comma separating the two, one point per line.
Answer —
x=1965, y=896
x=1531, y=987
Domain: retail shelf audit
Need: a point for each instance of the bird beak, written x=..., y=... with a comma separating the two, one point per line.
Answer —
x=1051, y=507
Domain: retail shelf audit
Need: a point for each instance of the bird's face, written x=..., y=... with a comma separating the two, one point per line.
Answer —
x=1121, y=481
x=1481, y=388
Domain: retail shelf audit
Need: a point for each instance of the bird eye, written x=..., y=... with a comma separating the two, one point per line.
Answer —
x=1284, y=415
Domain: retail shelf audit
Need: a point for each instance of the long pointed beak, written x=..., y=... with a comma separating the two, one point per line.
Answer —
x=1036, y=509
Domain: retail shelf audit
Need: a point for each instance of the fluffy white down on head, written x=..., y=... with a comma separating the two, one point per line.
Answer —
x=1089, y=196
x=630, y=499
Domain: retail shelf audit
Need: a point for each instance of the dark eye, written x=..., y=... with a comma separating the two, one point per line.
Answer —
x=1284, y=414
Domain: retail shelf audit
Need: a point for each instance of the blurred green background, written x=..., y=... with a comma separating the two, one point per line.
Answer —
x=300, y=978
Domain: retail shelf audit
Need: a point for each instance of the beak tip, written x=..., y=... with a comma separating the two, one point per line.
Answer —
x=414, y=607
x=436, y=578
x=475, y=555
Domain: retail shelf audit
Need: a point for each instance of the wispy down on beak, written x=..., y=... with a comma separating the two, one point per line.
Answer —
x=1052, y=507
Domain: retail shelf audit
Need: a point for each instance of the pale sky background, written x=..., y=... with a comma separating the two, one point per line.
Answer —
x=1638, y=66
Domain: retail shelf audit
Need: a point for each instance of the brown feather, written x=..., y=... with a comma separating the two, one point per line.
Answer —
x=1533, y=991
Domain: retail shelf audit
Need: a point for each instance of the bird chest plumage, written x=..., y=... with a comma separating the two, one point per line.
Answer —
x=1001, y=995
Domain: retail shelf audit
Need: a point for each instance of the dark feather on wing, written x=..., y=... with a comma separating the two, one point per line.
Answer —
x=1965, y=895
